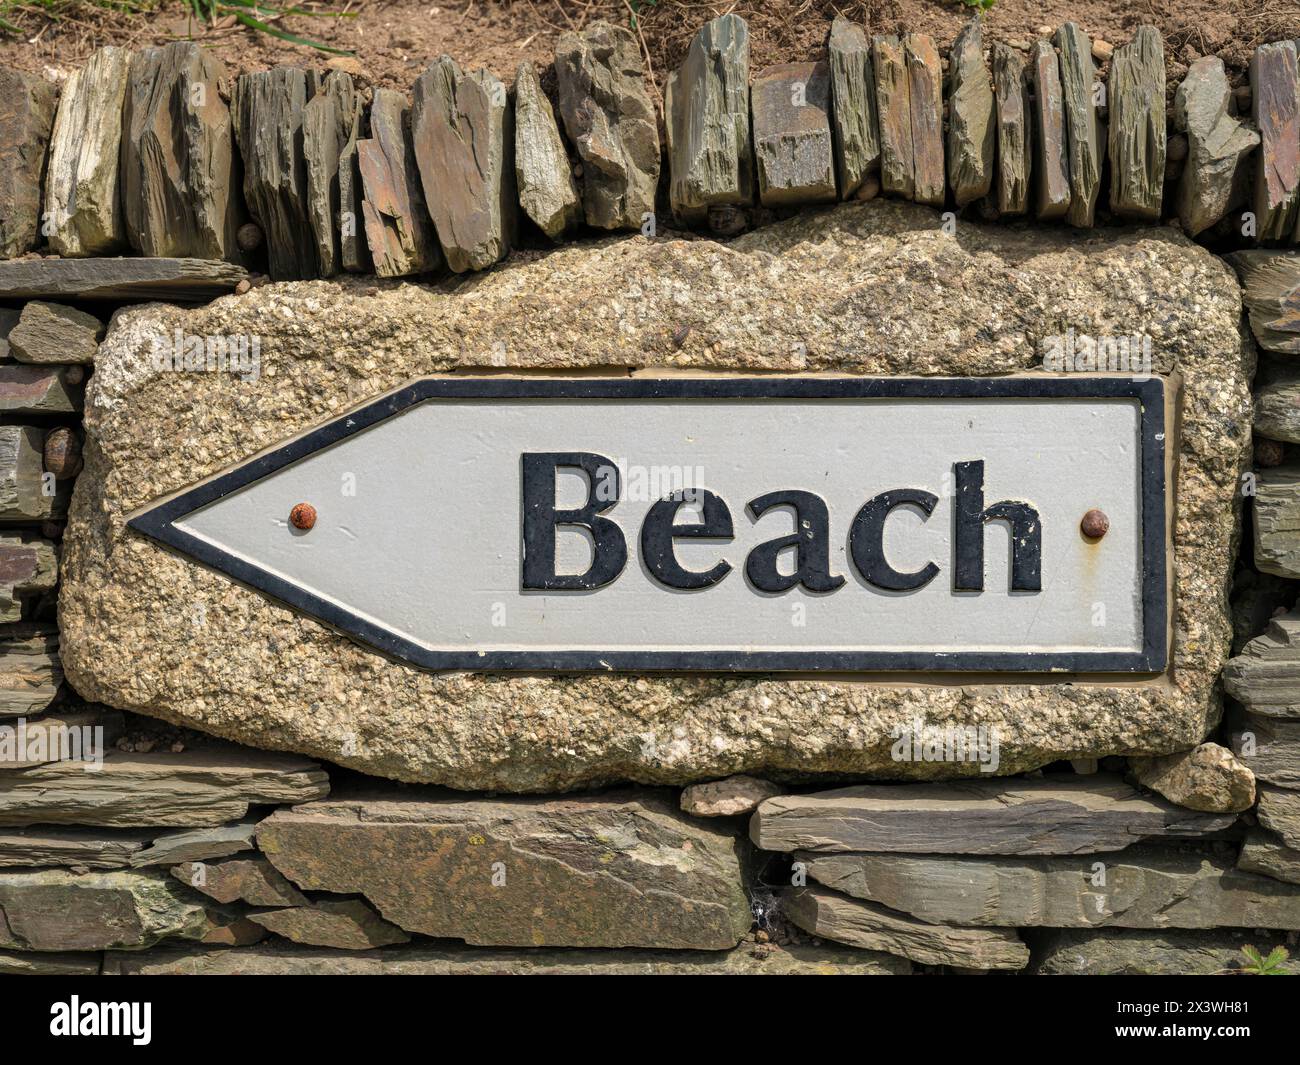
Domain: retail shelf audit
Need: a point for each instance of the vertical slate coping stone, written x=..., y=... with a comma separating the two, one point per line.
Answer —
x=1275, y=97
x=354, y=251
x=894, y=109
x=853, y=110
x=268, y=109
x=26, y=118
x=1085, y=137
x=792, y=134
x=548, y=194
x=326, y=128
x=82, y=198
x=970, y=117
x=1137, y=126
x=462, y=131
x=1217, y=144
x=925, y=88
x=1051, y=167
x=706, y=105
x=1014, y=131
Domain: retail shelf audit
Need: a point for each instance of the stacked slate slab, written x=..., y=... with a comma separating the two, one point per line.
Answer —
x=853, y=111
x=792, y=134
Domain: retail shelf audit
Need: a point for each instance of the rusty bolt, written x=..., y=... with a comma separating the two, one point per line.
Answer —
x=249, y=236
x=1094, y=524
x=1268, y=453
x=62, y=453
x=303, y=516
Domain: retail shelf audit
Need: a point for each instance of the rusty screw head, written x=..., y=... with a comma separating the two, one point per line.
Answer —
x=303, y=516
x=1094, y=524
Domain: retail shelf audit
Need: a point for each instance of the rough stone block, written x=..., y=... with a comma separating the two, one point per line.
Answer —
x=1052, y=195
x=548, y=194
x=26, y=119
x=1136, y=95
x=1217, y=145
x=1014, y=123
x=1085, y=134
x=53, y=333
x=1120, y=952
x=348, y=924
x=1277, y=510
x=117, y=280
x=26, y=497
x=1208, y=778
x=1271, y=284
x=1275, y=99
x=894, y=110
x=925, y=101
x=398, y=230
x=853, y=109
x=971, y=123
x=792, y=134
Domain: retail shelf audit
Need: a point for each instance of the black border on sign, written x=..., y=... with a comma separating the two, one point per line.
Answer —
x=158, y=522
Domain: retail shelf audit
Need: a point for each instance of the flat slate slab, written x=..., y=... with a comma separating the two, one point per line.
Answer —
x=1275, y=99
x=1269, y=746
x=1279, y=811
x=1267, y=855
x=1085, y=135
x=1052, y=192
x=894, y=112
x=1265, y=677
x=1136, y=95
x=1013, y=121
x=1218, y=143
x=348, y=924
x=174, y=280
x=548, y=193
x=29, y=565
x=1070, y=815
x=252, y=880
x=30, y=670
x=1271, y=283
x=971, y=125
x=29, y=963
x=925, y=102
x=1277, y=491
x=853, y=108
x=86, y=848
x=198, y=844
x=1123, y=952
x=26, y=117
x=792, y=134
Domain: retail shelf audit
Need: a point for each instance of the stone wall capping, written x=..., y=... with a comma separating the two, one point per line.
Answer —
x=119, y=279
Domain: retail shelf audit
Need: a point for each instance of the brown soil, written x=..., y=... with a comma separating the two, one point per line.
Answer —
x=393, y=40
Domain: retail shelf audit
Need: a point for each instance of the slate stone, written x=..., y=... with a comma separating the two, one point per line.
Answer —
x=1257, y=598
x=82, y=197
x=348, y=924
x=1279, y=811
x=26, y=119
x=1218, y=145
x=398, y=230
x=24, y=498
x=198, y=844
x=354, y=248
x=82, y=735
x=894, y=111
x=971, y=117
x=1085, y=134
x=1270, y=281
x=1045, y=815
x=728, y=798
x=268, y=108
x=548, y=194
x=462, y=129
x=1207, y=778
x=116, y=280
x=1136, y=98
x=29, y=564
x=8, y=319
x=618, y=870
x=285, y=959
x=251, y=880
x=1265, y=677
x=39, y=390
x=30, y=671
x=1013, y=123
x=26, y=963
x=179, y=171
x=1277, y=501
x=925, y=100
x=203, y=786
x=1051, y=170
x=1275, y=102
x=82, y=848
x=706, y=109
x=853, y=108
x=1122, y=952
x=611, y=121
x=1265, y=854
x=327, y=123
x=1269, y=746
x=862, y=924
x=792, y=134
x=54, y=333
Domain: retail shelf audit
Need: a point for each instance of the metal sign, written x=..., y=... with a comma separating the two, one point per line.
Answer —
x=797, y=524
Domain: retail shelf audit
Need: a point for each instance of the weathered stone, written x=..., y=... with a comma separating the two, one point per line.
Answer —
x=706, y=117
x=252, y=880
x=548, y=193
x=970, y=117
x=1279, y=811
x=1267, y=855
x=792, y=134
x=728, y=798
x=398, y=230
x=1265, y=677
x=1276, y=502
x=925, y=101
x=1013, y=120
x=81, y=848
x=174, y=280
x=53, y=333
x=1048, y=815
x=1145, y=887
x=81, y=735
x=853, y=108
x=1218, y=143
x=862, y=924
x=23, y=497
x=55, y=909
x=1052, y=195
x=283, y=959
x=1269, y=746
x=61, y=451
x=327, y=123
x=26, y=963
x=354, y=248
x=30, y=671
x=179, y=171
x=267, y=108
x=1275, y=96
x=198, y=844
x=29, y=565
x=26, y=118
x=1271, y=285
x=1136, y=95
x=611, y=121
x=1118, y=952
x=1085, y=134
x=462, y=130
x=345, y=923
x=206, y=786
x=824, y=291
x=894, y=111
x=1207, y=778
x=82, y=199
x=38, y=390
x=616, y=870
x=8, y=320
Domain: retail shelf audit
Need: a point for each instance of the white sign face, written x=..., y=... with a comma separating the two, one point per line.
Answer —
x=762, y=524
